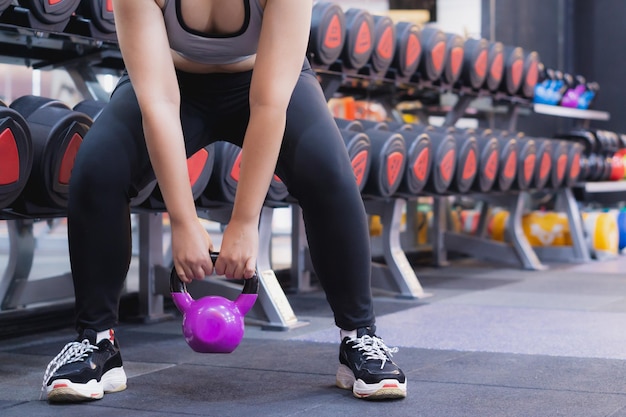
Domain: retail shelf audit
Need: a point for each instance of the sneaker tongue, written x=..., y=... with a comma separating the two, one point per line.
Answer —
x=88, y=334
x=363, y=331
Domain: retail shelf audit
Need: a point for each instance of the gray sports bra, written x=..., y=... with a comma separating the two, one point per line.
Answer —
x=206, y=48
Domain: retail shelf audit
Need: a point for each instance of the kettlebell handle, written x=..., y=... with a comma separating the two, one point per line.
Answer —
x=250, y=286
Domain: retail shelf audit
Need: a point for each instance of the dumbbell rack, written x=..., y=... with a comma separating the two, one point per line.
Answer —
x=517, y=250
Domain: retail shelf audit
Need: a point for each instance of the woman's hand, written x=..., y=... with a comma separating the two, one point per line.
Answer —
x=191, y=247
x=239, y=249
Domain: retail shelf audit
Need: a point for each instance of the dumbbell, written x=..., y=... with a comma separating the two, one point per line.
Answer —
x=513, y=70
x=407, y=53
x=488, y=161
x=327, y=34
x=57, y=132
x=527, y=160
x=572, y=94
x=388, y=163
x=418, y=154
x=433, y=60
x=508, y=159
x=610, y=144
x=45, y=15
x=384, y=43
x=359, y=45
x=359, y=146
x=530, y=74
x=200, y=169
x=573, y=171
x=94, y=18
x=591, y=167
x=454, y=59
x=16, y=155
x=444, y=156
x=495, y=66
x=222, y=184
x=562, y=82
x=475, y=67
x=588, y=96
x=543, y=166
x=467, y=155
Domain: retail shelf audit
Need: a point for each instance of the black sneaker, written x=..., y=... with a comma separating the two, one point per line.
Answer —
x=84, y=370
x=367, y=369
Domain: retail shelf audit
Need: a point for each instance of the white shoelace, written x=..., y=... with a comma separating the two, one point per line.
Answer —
x=72, y=352
x=374, y=348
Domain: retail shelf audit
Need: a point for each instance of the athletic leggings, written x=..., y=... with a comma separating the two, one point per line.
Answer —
x=113, y=163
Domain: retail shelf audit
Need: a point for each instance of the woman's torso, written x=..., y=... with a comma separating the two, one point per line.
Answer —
x=215, y=21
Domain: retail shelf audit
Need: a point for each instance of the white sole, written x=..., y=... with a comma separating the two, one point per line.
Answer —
x=64, y=390
x=385, y=389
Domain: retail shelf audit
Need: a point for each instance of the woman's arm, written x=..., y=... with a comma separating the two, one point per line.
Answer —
x=145, y=49
x=280, y=55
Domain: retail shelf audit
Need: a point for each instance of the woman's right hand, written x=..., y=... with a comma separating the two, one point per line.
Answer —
x=191, y=248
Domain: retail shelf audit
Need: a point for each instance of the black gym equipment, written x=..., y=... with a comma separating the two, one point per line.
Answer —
x=419, y=162
x=359, y=44
x=573, y=171
x=508, y=159
x=388, y=163
x=16, y=155
x=495, y=66
x=543, y=165
x=433, y=61
x=353, y=125
x=559, y=163
x=200, y=168
x=530, y=75
x=592, y=162
x=527, y=160
x=475, y=67
x=513, y=70
x=384, y=43
x=48, y=15
x=418, y=153
x=488, y=161
x=327, y=36
x=454, y=59
x=57, y=132
x=95, y=19
x=444, y=156
x=408, y=51
x=223, y=181
x=359, y=146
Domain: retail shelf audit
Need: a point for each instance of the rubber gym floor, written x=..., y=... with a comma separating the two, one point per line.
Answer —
x=491, y=340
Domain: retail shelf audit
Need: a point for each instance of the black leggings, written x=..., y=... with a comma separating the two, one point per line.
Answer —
x=113, y=163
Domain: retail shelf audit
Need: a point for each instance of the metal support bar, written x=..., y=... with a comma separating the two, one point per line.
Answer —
x=300, y=259
x=21, y=253
x=397, y=270
x=440, y=213
x=150, y=258
x=458, y=110
x=516, y=250
x=566, y=197
x=278, y=311
x=87, y=83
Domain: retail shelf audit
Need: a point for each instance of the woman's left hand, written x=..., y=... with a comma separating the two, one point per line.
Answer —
x=238, y=251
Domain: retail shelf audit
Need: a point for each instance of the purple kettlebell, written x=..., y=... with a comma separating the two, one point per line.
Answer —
x=213, y=324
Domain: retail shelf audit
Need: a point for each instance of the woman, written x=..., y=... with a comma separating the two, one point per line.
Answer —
x=200, y=71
